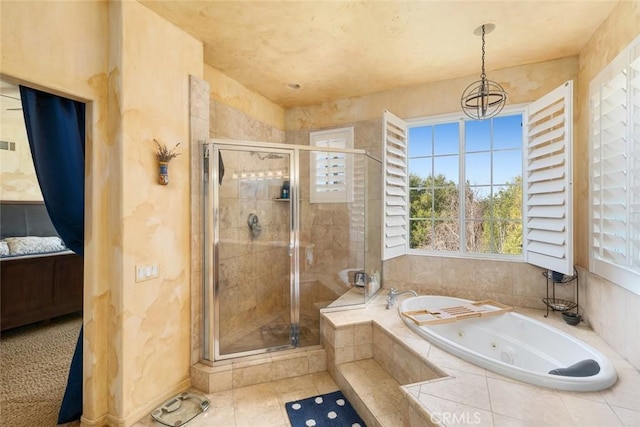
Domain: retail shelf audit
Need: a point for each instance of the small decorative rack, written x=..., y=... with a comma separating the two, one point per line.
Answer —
x=484, y=308
x=558, y=304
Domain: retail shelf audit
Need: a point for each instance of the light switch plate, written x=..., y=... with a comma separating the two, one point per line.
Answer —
x=146, y=272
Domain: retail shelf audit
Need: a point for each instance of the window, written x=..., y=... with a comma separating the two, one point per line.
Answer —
x=331, y=171
x=614, y=132
x=499, y=187
x=484, y=213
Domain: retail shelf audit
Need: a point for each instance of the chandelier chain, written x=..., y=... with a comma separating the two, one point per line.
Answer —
x=483, y=76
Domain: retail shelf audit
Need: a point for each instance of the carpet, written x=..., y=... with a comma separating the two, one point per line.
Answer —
x=34, y=364
x=331, y=409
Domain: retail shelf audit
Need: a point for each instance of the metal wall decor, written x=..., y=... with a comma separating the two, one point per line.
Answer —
x=484, y=98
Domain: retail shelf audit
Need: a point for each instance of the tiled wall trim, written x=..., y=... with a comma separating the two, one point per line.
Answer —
x=199, y=131
x=230, y=374
x=513, y=283
x=613, y=313
x=404, y=364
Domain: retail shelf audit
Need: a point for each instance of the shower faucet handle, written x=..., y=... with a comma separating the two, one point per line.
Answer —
x=254, y=225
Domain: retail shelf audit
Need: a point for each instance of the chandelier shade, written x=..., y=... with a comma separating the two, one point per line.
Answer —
x=484, y=98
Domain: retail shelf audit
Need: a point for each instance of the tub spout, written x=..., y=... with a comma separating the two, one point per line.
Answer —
x=393, y=294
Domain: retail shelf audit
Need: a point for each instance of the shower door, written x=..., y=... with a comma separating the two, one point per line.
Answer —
x=253, y=241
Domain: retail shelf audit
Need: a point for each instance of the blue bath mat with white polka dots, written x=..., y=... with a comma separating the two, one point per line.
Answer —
x=331, y=409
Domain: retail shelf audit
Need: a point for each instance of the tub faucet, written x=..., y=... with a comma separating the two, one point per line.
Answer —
x=393, y=294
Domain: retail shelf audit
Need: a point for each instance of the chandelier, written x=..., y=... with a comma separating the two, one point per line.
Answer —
x=484, y=98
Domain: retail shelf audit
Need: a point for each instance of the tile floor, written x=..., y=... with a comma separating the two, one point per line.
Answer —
x=479, y=396
x=260, y=405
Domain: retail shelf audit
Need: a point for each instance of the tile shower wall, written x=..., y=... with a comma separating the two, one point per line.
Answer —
x=328, y=223
x=253, y=270
x=367, y=135
x=331, y=240
x=199, y=131
x=253, y=277
x=335, y=231
x=254, y=280
x=228, y=123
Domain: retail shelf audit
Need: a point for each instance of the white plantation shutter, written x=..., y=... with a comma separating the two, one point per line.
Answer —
x=609, y=166
x=548, y=228
x=614, y=133
x=395, y=239
x=357, y=206
x=634, y=172
x=331, y=172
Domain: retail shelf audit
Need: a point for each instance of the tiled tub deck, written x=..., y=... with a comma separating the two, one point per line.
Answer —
x=394, y=378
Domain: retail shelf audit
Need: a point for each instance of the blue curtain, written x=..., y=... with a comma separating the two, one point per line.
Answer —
x=56, y=130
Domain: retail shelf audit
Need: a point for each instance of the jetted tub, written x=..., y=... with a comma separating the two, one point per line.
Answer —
x=512, y=345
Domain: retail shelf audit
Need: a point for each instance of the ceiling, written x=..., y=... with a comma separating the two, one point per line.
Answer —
x=338, y=49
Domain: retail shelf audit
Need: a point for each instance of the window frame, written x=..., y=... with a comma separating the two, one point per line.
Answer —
x=547, y=183
x=460, y=118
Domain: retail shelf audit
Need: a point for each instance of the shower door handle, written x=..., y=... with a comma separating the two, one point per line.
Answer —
x=290, y=249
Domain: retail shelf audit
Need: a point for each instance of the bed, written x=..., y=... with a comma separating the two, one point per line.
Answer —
x=39, y=278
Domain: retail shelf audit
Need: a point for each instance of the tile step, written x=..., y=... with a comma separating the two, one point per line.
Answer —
x=374, y=394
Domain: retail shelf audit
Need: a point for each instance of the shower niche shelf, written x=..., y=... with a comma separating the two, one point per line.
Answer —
x=280, y=199
x=559, y=304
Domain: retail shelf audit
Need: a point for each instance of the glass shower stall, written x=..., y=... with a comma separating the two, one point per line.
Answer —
x=288, y=230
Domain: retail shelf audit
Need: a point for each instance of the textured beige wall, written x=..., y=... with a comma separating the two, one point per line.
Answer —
x=231, y=93
x=18, y=179
x=61, y=47
x=151, y=319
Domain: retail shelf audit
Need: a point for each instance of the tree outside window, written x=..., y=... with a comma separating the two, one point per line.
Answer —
x=487, y=217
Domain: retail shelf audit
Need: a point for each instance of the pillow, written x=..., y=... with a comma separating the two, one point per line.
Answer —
x=4, y=248
x=34, y=245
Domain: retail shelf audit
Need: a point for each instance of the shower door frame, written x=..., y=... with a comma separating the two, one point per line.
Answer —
x=212, y=244
x=211, y=298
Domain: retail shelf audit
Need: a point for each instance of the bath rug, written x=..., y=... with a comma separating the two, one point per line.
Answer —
x=331, y=409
